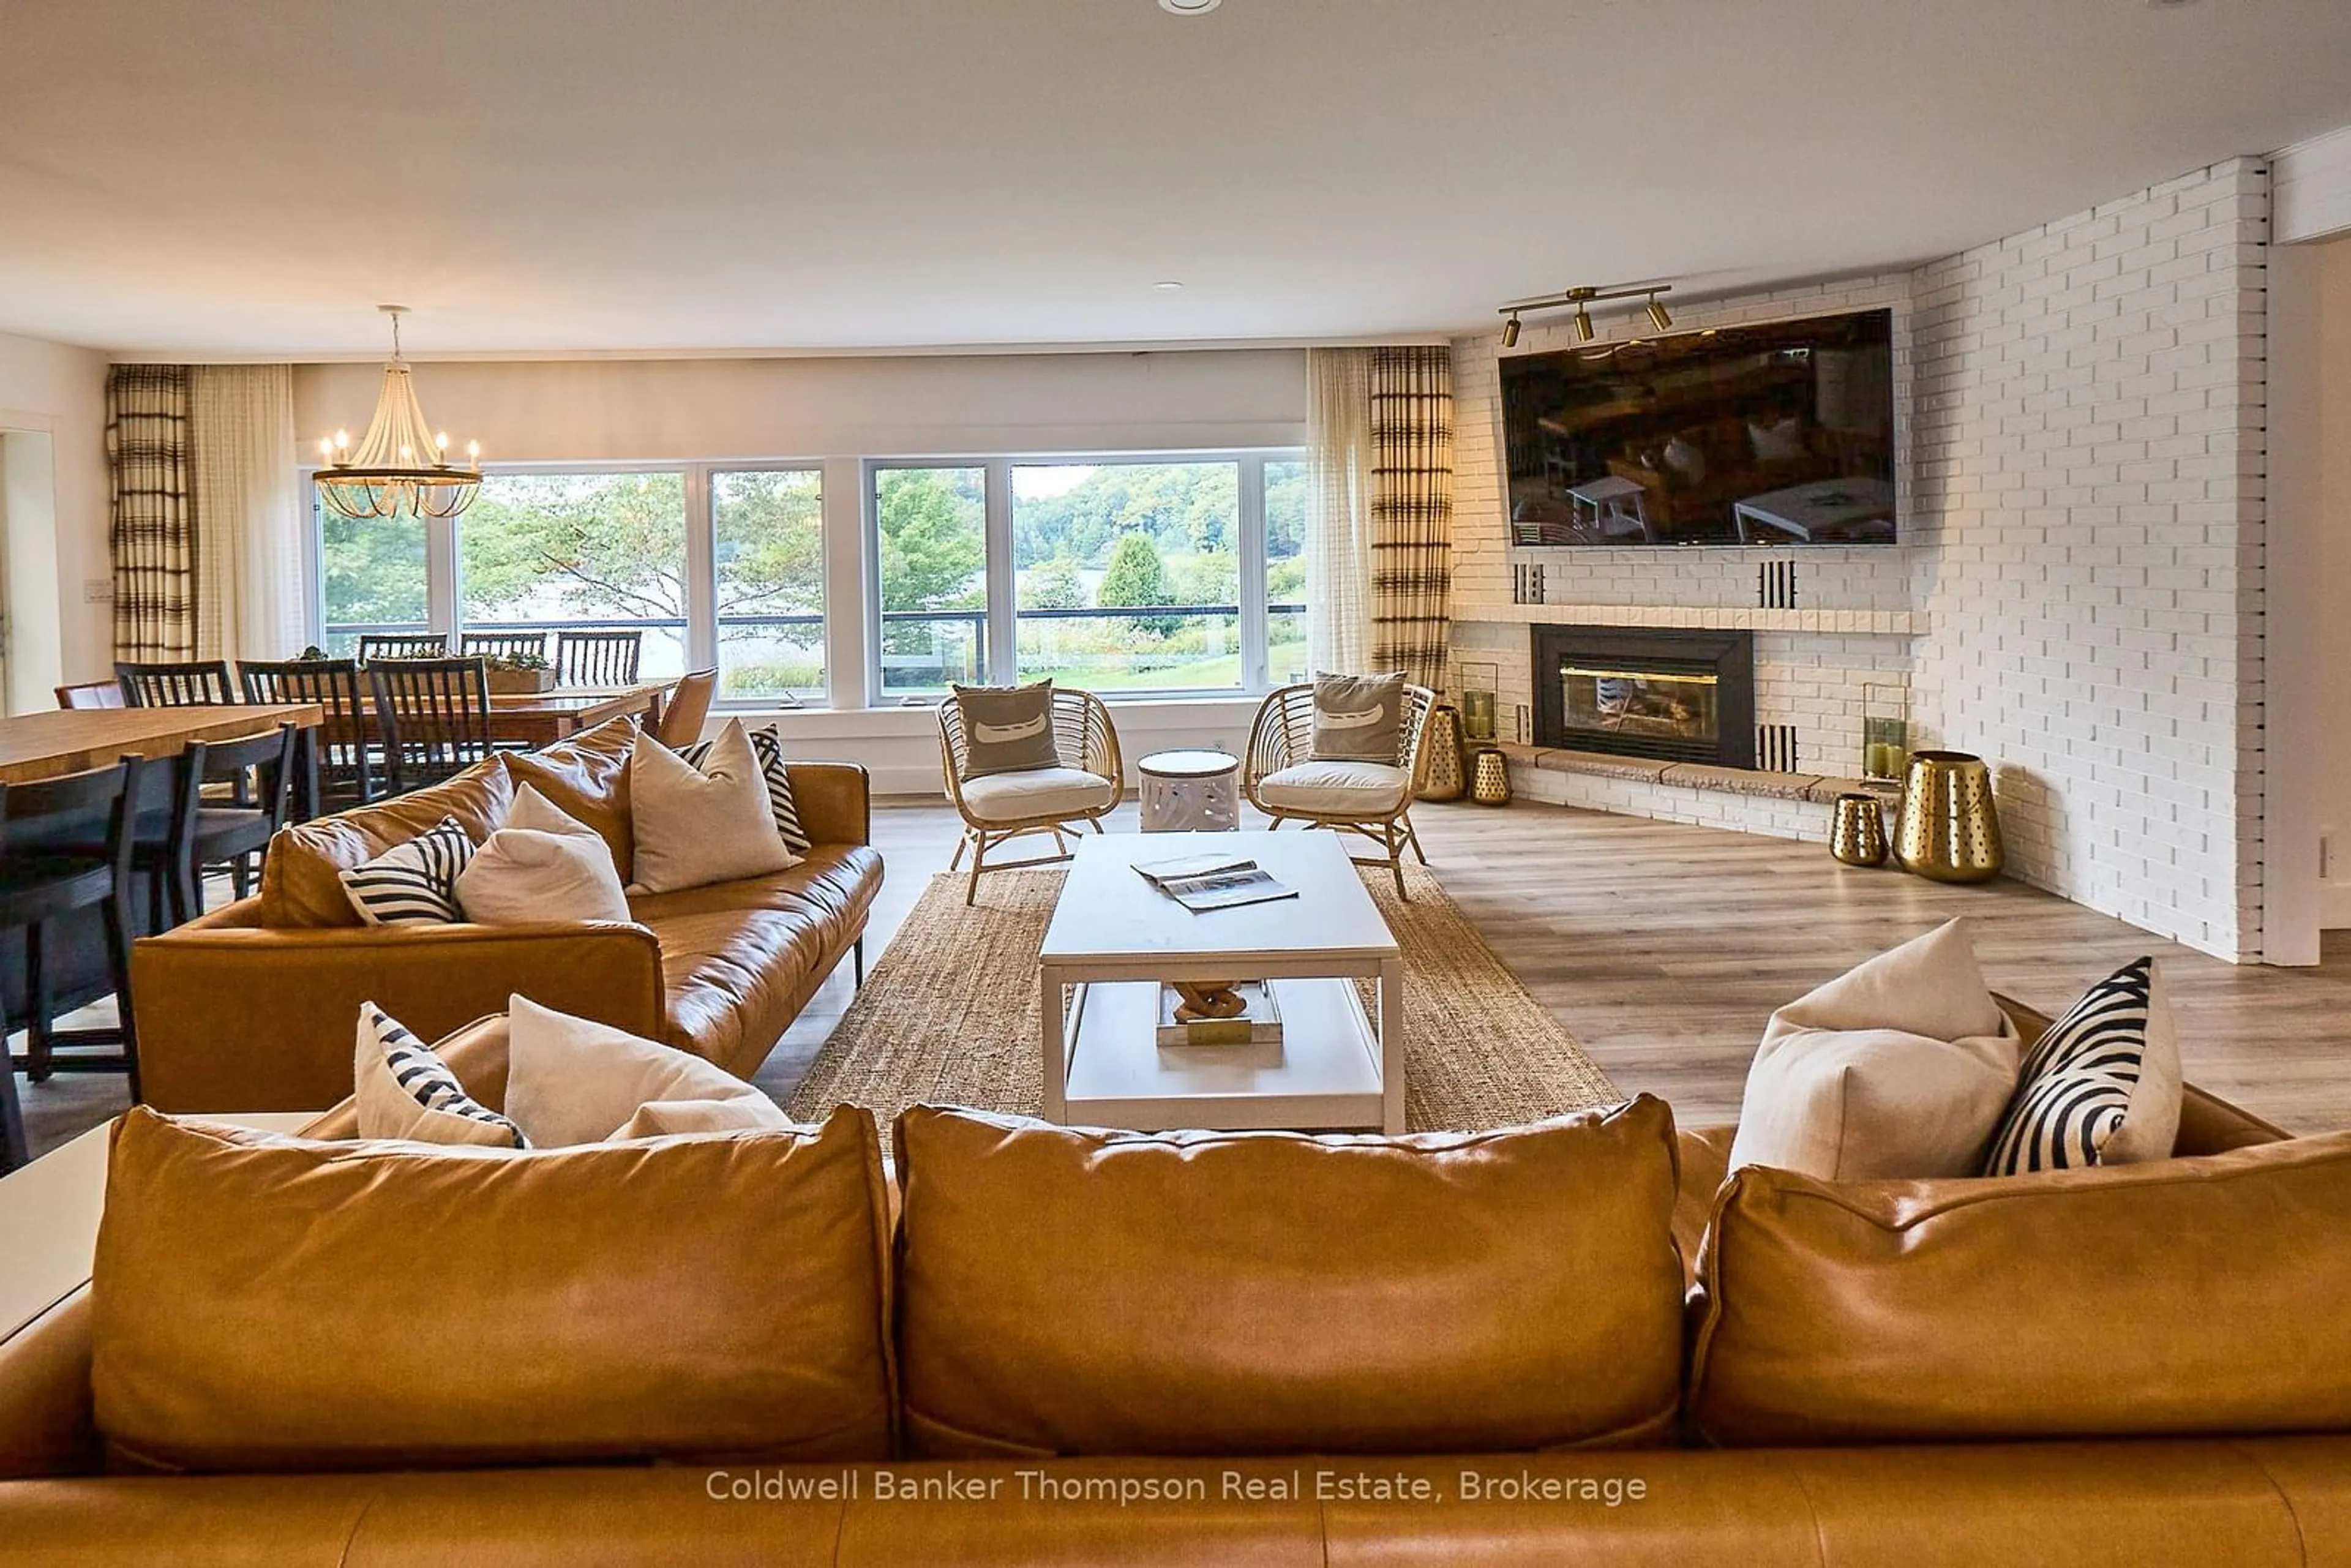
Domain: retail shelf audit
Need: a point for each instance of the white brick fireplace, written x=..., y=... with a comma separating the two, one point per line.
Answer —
x=2080, y=457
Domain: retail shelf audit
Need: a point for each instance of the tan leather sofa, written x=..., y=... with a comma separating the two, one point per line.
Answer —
x=251, y=1007
x=956, y=1306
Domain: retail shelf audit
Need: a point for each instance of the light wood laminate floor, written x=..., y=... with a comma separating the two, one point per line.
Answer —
x=1664, y=947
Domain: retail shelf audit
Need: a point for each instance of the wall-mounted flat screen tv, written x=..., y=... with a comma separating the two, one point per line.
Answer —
x=1774, y=434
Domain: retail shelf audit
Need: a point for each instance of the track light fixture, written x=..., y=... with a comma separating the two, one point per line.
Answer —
x=1584, y=298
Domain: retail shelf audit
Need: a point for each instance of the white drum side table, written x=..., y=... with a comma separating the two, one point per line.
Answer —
x=1190, y=792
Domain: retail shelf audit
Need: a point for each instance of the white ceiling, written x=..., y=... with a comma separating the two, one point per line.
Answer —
x=209, y=180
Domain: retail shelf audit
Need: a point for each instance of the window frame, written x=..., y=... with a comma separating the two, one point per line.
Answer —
x=443, y=586
x=704, y=624
x=1003, y=609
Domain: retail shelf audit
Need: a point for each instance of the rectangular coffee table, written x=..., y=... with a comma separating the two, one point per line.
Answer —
x=1115, y=937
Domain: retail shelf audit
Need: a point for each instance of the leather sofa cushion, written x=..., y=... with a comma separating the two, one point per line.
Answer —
x=301, y=877
x=586, y=776
x=1072, y=1291
x=2180, y=1297
x=267, y=1304
x=740, y=958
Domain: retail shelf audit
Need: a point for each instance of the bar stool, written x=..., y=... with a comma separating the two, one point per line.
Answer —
x=51, y=863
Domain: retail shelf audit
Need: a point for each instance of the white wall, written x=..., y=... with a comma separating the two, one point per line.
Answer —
x=840, y=410
x=2310, y=592
x=61, y=391
x=946, y=405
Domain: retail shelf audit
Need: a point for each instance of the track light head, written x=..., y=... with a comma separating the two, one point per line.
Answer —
x=1657, y=316
x=1510, y=333
x=1583, y=333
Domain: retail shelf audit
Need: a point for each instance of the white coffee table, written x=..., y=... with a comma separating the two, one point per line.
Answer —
x=1113, y=938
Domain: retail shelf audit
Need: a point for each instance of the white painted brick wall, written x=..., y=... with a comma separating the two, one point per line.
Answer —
x=2080, y=454
x=2089, y=452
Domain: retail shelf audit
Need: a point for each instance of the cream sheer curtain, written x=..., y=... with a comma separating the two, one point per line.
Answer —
x=249, y=513
x=1339, y=509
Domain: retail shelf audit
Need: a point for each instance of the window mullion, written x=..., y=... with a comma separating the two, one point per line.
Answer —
x=1003, y=623
x=1252, y=572
x=442, y=587
x=701, y=571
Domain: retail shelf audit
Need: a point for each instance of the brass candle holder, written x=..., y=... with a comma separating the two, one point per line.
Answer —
x=1448, y=771
x=1951, y=823
x=1858, y=832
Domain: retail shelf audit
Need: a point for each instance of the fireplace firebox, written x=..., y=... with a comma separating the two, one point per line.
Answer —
x=1683, y=695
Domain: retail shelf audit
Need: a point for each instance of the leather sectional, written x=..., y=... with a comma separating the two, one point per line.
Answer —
x=251, y=1006
x=1036, y=1343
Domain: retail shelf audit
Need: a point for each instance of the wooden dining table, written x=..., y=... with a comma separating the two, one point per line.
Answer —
x=50, y=745
x=542, y=718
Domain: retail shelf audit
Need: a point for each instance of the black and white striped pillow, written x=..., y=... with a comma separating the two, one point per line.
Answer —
x=2100, y=1086
x=414, y=883
x=768, y=745
x=425, y=1078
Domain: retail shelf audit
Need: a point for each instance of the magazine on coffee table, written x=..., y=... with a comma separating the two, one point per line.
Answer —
x=1203, y=882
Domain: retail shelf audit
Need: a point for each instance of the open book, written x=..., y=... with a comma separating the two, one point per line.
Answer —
x=1202, y=882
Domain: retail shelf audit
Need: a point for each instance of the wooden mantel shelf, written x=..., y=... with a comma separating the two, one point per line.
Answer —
x=1694, y=775
x=1712, y=617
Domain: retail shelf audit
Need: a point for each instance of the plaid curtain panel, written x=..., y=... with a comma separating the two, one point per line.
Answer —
x=154, y=523
x=1412, y=512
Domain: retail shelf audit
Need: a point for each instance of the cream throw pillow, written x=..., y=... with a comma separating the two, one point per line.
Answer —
x=541, y=864
x=1901, y=1069
x=697, y=826
x=402, y=1089
x=573, y=1080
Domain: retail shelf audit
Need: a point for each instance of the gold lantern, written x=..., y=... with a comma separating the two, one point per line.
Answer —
x=1857, y=832
x=1489, y=777
x=1950, y=824
x=1448, y=772
x=1479, y=701
x=1884, y=731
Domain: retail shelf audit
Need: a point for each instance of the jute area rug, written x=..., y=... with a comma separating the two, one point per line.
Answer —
x=948, y=1015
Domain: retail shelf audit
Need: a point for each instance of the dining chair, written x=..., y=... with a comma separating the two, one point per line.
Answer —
x=597, y=658
x=177, y=847
x=194, y=682
x=688, y=705
x=401, y=645
x=90, y=694
x=349, y=763
x=65, y=845
x=503, y=645
x=433, y=715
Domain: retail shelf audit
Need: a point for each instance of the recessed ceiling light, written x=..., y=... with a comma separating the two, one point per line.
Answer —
x=1167, y=286
x=1189, y=7
x=2169, y=5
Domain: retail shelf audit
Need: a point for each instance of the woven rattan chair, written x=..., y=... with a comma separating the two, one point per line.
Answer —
x=1001, y=807
x=1281, y=777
